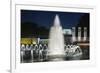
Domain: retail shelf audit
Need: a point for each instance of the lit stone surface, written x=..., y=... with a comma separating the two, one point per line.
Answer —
x=73, y=34
x=85, y=34
x=79, y=33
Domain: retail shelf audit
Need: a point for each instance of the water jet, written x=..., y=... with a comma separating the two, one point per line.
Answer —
x=56, y=41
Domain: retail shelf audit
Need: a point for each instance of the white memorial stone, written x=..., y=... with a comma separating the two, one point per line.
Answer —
x=85, y=34
x=79, y=33
x=73, y=34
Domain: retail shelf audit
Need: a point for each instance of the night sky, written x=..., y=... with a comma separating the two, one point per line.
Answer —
x=46, y=18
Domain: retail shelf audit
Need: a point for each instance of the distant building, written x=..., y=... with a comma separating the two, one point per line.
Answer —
x=67, y=36
x=67, y=31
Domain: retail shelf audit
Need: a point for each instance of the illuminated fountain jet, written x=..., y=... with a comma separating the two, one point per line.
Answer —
x=56, y=41
x=22, y=52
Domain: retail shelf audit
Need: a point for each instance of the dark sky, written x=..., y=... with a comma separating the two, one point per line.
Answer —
x=46, y=18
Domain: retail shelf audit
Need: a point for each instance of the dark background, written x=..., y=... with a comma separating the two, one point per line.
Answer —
x=38, y=23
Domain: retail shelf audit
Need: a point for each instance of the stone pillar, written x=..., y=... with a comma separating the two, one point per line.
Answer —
x=79, y=33
x=73, y=34
x=85, y=34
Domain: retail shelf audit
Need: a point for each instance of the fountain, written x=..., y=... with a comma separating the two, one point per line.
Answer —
x=56, y=41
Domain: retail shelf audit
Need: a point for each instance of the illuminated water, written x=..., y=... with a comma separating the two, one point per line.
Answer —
x=56, y=41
